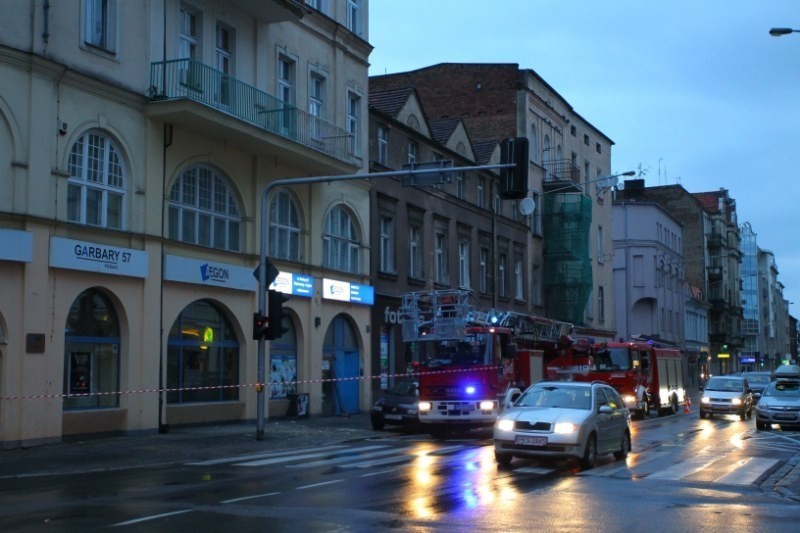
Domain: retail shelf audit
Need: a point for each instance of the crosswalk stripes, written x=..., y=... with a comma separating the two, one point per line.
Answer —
x=656, y=465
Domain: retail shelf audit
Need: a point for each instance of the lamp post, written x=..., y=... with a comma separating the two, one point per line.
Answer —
x=777, y=32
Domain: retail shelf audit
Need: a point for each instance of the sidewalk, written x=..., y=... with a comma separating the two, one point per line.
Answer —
x=180, y=445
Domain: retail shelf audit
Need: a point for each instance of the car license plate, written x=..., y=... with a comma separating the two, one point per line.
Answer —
x=393, y=417
x=530, y=441
x=784, y=417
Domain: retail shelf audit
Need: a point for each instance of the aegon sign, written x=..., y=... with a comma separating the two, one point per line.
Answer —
x=226, y=275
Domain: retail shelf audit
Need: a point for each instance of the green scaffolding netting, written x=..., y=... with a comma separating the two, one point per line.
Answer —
x=568, y=270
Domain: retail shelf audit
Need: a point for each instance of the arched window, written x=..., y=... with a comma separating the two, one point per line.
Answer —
x=96, y=187
x=284, y=227
x=203, y=210
x=92, y=358
x=341, y=241
x=202, y=356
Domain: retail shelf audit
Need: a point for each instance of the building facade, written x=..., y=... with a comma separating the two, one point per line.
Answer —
x=136, y=141
x=648, y=272
x=568, y=274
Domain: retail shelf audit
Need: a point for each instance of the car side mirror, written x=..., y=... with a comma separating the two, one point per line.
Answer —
x=605, y=409
x=511, y=396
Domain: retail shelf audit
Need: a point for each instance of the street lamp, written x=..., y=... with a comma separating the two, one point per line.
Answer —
x=777, y=32
x=527, y=205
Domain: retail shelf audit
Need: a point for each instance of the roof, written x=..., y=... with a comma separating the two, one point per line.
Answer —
x=443, y=128
x=483, y=150
x=390, y=101
x=709, y=200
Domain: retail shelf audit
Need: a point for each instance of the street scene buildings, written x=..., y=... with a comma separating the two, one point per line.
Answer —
x=137, y=139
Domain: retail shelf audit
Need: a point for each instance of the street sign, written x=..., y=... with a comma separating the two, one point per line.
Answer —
x=272, y=272
x=428, y=173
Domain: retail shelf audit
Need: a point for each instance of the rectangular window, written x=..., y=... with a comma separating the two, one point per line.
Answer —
x=354, y=16
x=597, y=148
x=224, y=63
x=411, y=152
x=387, y=244
x=501, y=276
x=316, y=99
x=586, y=139
x=482, y=192
x=189, y=48
x=100, y=24
x=460, y=185
x=600, y=247
x=536, y=285
x=414, y=252
x=382, y=145
x=463, y=264
x=286, y=94
x=353, y=117
x=519, y=285
x=441, y=258
x=484, y=270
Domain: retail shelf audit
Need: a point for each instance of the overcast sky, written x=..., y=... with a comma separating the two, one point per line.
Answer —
x=695, y=91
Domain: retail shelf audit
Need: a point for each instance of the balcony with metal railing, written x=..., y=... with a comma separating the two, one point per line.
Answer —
x=187, y=80
x=562, y=174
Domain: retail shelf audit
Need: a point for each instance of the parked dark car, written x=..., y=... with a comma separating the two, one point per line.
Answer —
x=397, y=407
x=758, y=381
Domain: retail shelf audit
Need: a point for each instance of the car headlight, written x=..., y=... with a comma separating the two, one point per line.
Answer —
x=504, y=424
x=424, y=407
x=487, y=405
x=736, y=401
x=629, y=398
x=705, y=399
x=565, y=428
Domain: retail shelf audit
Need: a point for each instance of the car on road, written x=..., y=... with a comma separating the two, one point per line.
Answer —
x=787, y=372
x=758, y=380
x=564, y=419
x=780, y=404
x=727, y=395
x=397, y=407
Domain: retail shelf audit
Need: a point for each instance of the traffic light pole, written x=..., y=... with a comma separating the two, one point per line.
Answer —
x=427, y=176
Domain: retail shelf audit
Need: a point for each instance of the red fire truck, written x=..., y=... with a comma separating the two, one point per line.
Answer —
x=647, y=374
x=466, y=359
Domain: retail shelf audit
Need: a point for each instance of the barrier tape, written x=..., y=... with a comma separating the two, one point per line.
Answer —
x=244, y=385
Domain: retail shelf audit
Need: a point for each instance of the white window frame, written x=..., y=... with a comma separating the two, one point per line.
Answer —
x=441, y=257
x=411, y=151
x=203, y=200
x=464, y=264
x=353, y=121
x=414, y=251
x=224, y=43
x=387, y=263
x=354, y=16
x=519, y=280
x=341, y=241
x=100, y=24
x=97, y=180
x=460, y=185
x=483, y=273
x=316, y=103
x=382, y=144
x=285, y=232
x=286, y=77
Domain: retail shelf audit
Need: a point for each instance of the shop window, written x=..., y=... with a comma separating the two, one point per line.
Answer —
x=202, y=356
x=92, y=354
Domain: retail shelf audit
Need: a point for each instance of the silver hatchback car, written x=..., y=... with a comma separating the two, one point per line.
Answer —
x=727, y=395
x=563, y=419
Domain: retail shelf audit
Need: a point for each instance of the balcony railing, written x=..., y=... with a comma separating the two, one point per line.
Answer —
x=190, y=79
x=561, y=170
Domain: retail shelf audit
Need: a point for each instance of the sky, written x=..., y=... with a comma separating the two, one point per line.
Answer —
x=694, y=92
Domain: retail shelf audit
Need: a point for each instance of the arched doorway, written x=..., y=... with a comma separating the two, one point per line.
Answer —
x=202, y=356
x=92, y=353
x=340, y=363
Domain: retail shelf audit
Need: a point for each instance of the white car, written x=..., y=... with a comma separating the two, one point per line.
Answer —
x=563, y=419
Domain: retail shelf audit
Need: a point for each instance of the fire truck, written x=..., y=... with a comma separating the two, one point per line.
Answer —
x=647, y=374
x=466, y=359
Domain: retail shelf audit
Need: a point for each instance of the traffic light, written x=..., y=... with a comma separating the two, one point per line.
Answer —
x=260, y=326
x=276, y=314
x=514, y=180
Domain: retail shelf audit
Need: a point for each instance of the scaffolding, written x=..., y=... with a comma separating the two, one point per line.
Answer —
x=568, y=269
